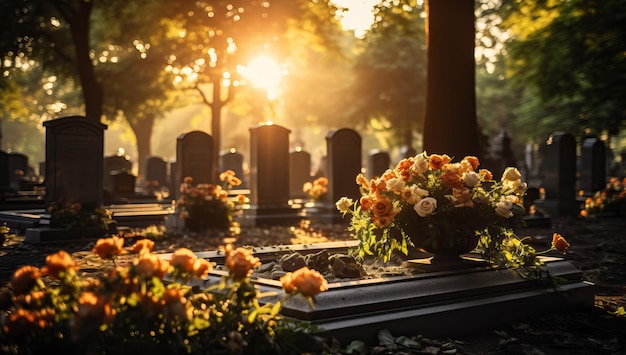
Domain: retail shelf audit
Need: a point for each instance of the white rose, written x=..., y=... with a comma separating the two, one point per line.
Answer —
x=470, y=178
x=503, y=209
x=426, y=206
x=420, y=164
x=395, y=185
x=344, y=204
x=511, y=174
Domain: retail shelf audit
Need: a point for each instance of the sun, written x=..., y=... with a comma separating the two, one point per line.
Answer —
x=263, y=72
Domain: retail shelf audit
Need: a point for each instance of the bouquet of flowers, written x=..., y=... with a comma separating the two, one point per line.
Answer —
x=206, y=206
x=431, y=203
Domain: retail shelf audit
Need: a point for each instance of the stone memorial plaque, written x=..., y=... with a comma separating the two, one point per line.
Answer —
x=343, y=147
x=74, y=160
x=299, y=172
x=269, y=165
x=194, y=157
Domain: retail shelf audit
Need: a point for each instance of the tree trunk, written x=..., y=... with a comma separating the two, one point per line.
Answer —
x=142, y=129
x=450, y=125
x=92, y=90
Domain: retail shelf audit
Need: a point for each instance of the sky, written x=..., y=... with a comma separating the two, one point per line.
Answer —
x=359, y=15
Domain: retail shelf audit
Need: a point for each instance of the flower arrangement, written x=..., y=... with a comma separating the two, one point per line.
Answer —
x=316, y=189
x=132, y=309
x=69, y=214
x=429, y=202
x=610, y=200
x=206, y=206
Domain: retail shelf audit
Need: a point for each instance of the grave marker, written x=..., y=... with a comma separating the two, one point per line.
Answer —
x=592, y=166
x=156, y=170
x=233, y=160
x=560, y=175
x=194, y=158
x=299, y=173
x=377, y=163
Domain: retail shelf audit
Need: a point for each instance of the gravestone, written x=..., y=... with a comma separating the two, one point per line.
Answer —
x=269, y=177
x=343, y=164
x=18, y=169
x=407, y=152
x=74, y=160
x=113, y=165
x=233, y=160
x=592, y=166
x=123, y=183
x=377, y=163
x=194, y=158
x=299, y=173
x=559, y=168
x=156, y=171
x=5, y=176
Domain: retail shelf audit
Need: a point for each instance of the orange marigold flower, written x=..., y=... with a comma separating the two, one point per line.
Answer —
x=183, y=259
x=437, y=161
x=559, y=243
x=142, y=246
x=308, y=282
x=149, y=265
x=106, y=248
x=201, y=267
x=58, y=262
x=240, y=261
x=24, y=279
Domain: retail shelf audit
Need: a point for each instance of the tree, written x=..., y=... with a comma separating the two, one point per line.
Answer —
x=572, y=59
x=390, y=73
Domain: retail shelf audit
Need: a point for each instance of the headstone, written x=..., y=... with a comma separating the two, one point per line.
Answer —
x=74, y=160
x=194, y=158
x=592, y=166
x=344, y=164
x=18, y=168
x=407, y=152
x=5, y=175
x=233, y=160
x=123, y=183
x=269, y=177
x=156, y=171
x=560, y=175
x=502, y=152
x=114, y=164
x=299, y=173
x=377, y=163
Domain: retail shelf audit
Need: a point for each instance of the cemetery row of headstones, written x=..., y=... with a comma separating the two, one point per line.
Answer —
x=76, y=169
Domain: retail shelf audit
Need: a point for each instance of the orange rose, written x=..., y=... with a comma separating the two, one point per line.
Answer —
x=452, y=180
x=559, y=243
x=183, y=259
x=473, y=161
x=142, y=246
x=366, y=203
x=382, y=221
x=58, y=262
x=240, y=261
x=362, y=181
x=382, y=207
x=149, y=265
x=201, y=267
x=436, y=161
x=308, y=282
x=106, y=248
x=485, y=174
x=24, y=279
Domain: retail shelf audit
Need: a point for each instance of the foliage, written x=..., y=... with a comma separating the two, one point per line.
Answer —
x=70, y=214
x=571, y=54
x=134, y=308
x=611, y=200
x=206, y=205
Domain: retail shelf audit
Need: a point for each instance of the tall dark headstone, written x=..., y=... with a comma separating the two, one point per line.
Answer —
x=377, y=163
x=194, y=158
x=560, y=175
x=18, y=168
x=299, y=172
x=407, y=152
x=343, y=147
x=592, y=166
x=269, y=176
x=5, y=176
x=233, y=160
x=156, y=170
x=114, y=165
x=74, y=160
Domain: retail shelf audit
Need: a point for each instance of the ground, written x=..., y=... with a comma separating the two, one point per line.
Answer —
x=598, y=249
